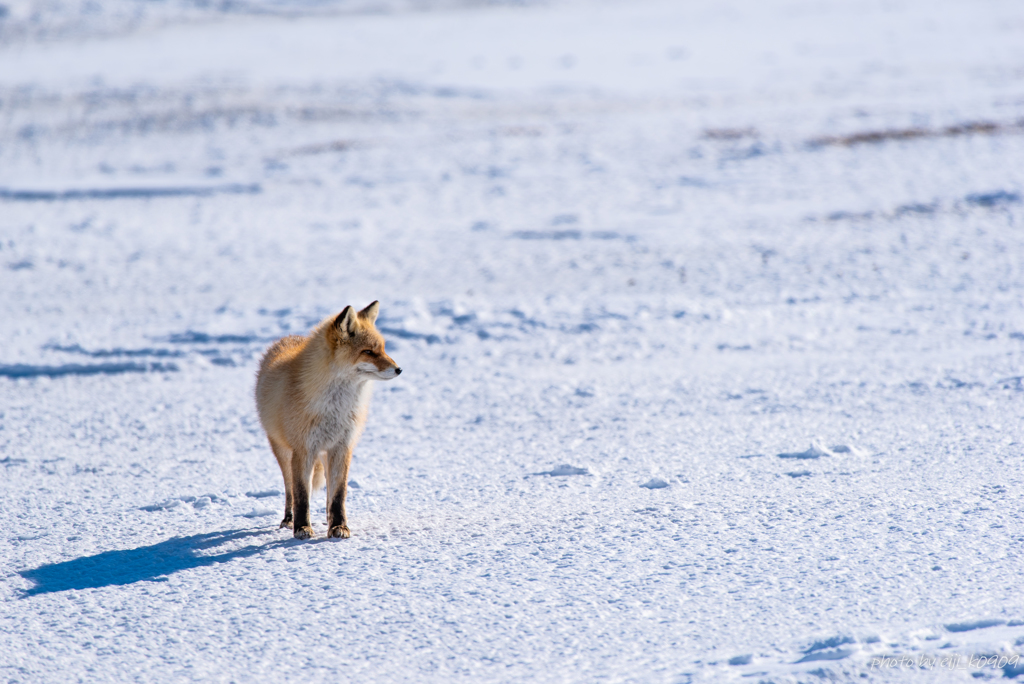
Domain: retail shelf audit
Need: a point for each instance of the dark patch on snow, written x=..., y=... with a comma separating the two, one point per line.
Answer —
x=967, y=128
x=992, y=199
x=688, y=182
x=729, y=133
x=571, y=234
x=955, y=383
x=117, y=351
x=193, y=337
x=548, y=234
x=322, y=148
x=125, y=193
x=1014, y=383
x=831, y=642
x=849, y=215
x=976, y=624
x=1013, y=670
x=826, y=655
x=916, y=208
x=799, y=473
x=741, y=659
x=20, y=370
x=146, y=563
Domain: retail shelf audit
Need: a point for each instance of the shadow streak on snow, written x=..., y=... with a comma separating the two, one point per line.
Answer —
x=146, y=563
x=127, y=192
x=967, y=128
x=117, y=351
x=23, y=370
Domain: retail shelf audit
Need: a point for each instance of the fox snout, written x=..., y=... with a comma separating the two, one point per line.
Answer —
x=389, y=373
x=378, y=365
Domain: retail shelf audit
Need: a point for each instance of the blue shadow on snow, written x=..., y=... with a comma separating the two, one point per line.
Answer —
x=147, y=563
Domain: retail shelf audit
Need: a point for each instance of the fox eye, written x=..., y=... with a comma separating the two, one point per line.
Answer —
x=369, y=352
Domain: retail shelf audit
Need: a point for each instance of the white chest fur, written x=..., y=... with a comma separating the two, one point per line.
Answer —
x=341, y=413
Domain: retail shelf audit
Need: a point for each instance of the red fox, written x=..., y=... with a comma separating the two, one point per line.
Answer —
x=312, y=394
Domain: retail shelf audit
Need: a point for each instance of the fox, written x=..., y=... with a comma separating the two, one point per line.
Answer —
x=312, y=396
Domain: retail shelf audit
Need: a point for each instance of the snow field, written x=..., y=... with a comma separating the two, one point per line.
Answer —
x=711, y=337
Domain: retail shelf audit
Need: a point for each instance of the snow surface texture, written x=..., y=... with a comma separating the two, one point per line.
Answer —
x=710, y=315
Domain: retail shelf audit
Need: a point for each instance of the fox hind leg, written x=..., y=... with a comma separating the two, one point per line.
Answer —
x=284, y=459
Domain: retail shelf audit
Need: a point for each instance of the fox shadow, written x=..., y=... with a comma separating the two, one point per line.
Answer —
x=146, y=563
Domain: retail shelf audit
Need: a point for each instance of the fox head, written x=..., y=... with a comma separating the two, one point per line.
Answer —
x=357, y=344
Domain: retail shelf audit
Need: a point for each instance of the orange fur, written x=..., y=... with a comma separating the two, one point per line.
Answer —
x=312, y=395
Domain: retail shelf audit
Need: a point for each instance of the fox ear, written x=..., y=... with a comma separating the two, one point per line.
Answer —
x=370, y=312
x=345, y=323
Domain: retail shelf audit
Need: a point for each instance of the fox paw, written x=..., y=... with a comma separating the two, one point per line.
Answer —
x=339, y=532
x=303, y=532
x=287, y=522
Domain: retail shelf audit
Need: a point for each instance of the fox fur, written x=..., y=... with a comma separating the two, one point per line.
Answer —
x=312, y=395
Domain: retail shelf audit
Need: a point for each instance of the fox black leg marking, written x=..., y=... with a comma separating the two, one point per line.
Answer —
x=287, y=520
x=300, y=496
x=339, y=460
x=337, y=524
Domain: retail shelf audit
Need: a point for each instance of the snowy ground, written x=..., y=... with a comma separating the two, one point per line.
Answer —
x=710, y=314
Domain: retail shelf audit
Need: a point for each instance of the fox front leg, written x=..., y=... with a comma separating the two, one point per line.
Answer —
x=302, y=468
x=338, y=460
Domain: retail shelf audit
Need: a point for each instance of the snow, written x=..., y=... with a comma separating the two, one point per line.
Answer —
x=709, y=314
